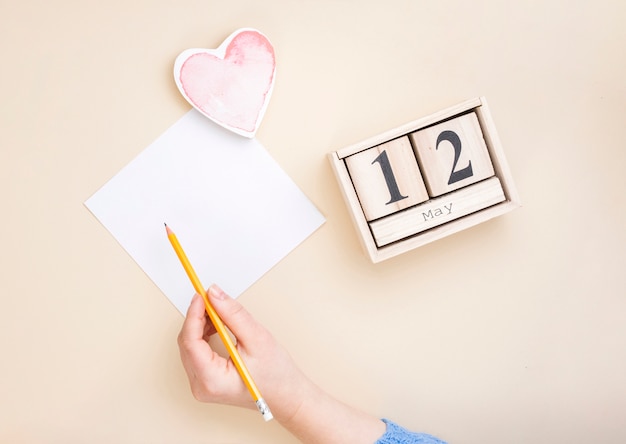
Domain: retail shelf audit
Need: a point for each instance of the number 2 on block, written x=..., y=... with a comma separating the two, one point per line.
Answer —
x=454, y=139
x=390, y=179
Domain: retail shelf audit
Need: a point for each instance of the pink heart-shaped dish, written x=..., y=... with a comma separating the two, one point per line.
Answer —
x=232, y=84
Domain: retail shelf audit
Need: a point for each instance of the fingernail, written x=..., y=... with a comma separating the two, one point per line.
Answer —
x=216, y=292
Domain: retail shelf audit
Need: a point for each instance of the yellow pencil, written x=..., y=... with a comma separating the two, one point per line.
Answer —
x=221, y=329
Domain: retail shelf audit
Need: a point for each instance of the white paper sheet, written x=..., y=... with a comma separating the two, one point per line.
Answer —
x=234, y=210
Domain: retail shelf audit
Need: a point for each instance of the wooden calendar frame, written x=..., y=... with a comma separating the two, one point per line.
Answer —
x=496, y=153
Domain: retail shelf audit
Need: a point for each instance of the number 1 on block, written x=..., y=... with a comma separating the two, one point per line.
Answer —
x=386, y=178
x=390, y=178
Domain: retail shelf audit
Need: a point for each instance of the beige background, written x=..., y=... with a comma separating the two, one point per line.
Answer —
x=510, y=332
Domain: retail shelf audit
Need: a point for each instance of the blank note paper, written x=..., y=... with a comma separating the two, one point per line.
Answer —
x=234, y=210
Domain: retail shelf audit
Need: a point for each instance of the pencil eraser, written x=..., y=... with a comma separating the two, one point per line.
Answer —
x=231, y=85
x=264, y=409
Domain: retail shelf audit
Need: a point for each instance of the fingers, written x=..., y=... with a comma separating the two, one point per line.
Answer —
x=195, y=321
x=195, y=352
x=213, y=378
x=235, y=316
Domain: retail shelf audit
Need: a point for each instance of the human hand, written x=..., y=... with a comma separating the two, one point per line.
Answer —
x=214, y=378
x=299, y=405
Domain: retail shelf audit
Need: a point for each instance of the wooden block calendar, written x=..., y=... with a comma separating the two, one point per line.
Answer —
x=425, y=180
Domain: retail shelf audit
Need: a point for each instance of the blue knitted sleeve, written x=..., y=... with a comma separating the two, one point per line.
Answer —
x=399, y=435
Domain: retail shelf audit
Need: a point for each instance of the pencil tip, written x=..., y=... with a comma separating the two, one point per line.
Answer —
x=164, y=224
x=167, y=229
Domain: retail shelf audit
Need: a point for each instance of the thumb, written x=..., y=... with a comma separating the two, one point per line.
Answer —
x=239, y=321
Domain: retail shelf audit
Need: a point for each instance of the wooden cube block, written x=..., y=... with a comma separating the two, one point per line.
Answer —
x=452, y=154
x=457, y=199
x=386, y=178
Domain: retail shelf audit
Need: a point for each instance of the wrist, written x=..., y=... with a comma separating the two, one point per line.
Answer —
x=320, y=418
x=295, y=401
